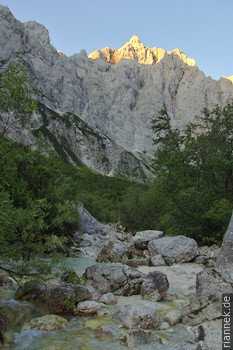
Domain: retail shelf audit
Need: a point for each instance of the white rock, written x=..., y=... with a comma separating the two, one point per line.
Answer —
x=142, y=238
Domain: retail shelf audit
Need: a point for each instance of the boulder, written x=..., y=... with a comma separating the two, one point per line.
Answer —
x=193, y=305
x=157, y=260
x=201, y=259
x=210, y=286
x=47, y=323
x=57, y=299
x=142, y=238
x=211, y=312
x=88, y=245
x=13, y=314
x=30, y=290
x=62, y=298
x=213, y=335
x=88, y=308
x=143, y=315
x=224, y=256
x=120, y=280
x=139, y=338
x=108, y=299
x=138, y=262
x=87, y=223
x=109, y=330
x=114, y=251
x=173, y=317
x=174, y=249
x=154, y=286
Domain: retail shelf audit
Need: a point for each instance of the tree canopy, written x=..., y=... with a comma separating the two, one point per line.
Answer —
x=36, y=200
x=17, y=94
x=193, y=190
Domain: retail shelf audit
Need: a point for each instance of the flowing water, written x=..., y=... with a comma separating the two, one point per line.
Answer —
x=81, y=333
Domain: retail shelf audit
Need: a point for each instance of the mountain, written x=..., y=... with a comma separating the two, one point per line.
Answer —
x=137, y=51
x=99, y=107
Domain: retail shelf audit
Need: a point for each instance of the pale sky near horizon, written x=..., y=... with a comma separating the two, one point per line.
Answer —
x=202, y=29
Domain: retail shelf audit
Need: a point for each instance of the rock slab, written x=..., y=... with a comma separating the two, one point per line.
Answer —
x=177, y=249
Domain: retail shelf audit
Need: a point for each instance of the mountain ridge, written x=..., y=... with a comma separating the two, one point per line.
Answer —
x=116, y=100
x=134, y=49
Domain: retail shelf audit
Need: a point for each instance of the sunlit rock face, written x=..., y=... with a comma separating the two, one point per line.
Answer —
x=135, y=50
x=116, y=92
x=230, y=78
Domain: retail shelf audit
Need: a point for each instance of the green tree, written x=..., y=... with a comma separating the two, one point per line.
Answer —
x=195, y=167
x=38, y=210
x=17, y=95
x=37, y=206
x=193, y=190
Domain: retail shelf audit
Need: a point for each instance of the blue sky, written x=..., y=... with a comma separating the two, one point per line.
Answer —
x=202, y=29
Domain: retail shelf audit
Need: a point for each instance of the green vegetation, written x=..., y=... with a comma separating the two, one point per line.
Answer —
x=37, y=207
x=39, y=199
x=16, y=95
x=40, y=194
x=193, y=190
x=102, y=195
x=37, y=202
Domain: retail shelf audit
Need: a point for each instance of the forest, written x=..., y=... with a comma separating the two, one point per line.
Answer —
x=191, y=194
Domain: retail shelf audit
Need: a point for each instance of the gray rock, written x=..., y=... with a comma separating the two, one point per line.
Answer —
x=201, y=259
x=141, y=239
x=213, y=335
x=164, y=325
x=88, y=224
x=199, y=333
x=138, y=262
x=185, y=345
x=139, y=338
x=120, y=280
x=173, y=317
x=157, y=260
x=211, y=312
x=154, y=286
x=114, y=251
x=109, y=330
x=210, y=263
x=88, y=308
x=193, y=305
x=108, y=299
x=30, y=290
x=224, y=256
x=56, y=299
x=174, y=249
x=143, y=315
x=210, y=286
x=13, y=315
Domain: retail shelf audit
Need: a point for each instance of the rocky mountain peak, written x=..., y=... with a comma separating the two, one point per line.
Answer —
x=112, y=105
x=135, y=40
x=135, y=50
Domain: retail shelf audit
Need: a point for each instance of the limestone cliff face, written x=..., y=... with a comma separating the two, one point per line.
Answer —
x=115, y=92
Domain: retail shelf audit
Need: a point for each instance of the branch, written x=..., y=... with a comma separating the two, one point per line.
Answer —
x=12, y=273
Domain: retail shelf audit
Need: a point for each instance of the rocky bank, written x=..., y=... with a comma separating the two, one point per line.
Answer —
x=139, y=292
